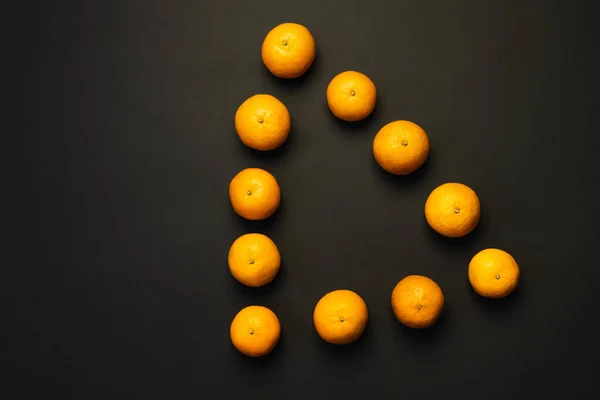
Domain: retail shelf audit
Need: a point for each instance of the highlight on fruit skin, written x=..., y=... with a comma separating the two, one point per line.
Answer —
x=255, y=331
x=417, y=301
x=351, y=96
x=494, y=273
x=262, y=122
x=453, y=209
x=340, y=317
x=288, y=50
x=254, y=259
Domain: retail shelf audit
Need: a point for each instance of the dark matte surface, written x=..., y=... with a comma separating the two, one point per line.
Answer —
x=128, y=106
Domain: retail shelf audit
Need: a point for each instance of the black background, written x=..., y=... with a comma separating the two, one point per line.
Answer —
x=124, y=222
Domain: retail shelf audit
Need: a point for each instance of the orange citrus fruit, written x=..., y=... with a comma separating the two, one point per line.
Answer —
x=452, y=209
x=417, y=301
x=255, y=331
x=262, y=122
x=340, y=317
x=494, y=273
x=401, y=147
x=288, y=50
x=254, y=259
x=254, y=194
x=351, y=96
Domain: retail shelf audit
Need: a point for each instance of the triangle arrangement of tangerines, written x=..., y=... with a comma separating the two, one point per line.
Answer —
x=262, y=122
